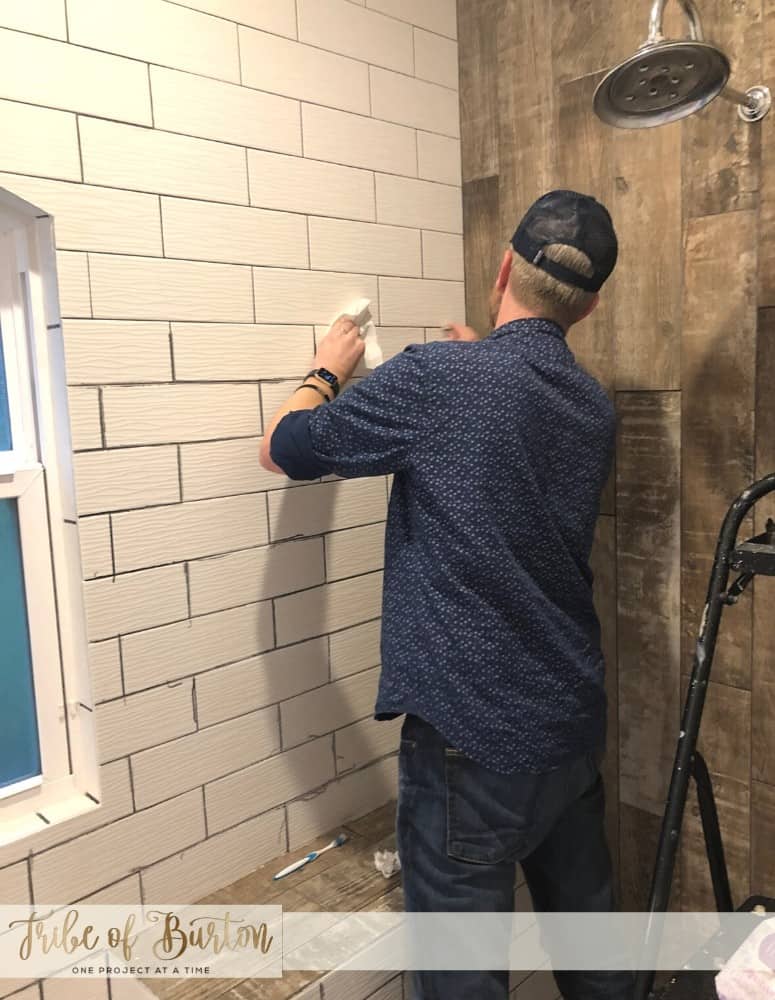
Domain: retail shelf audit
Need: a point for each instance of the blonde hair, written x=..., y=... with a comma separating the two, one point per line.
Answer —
x=545, y=295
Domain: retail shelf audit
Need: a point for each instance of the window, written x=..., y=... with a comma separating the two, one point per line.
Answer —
x=48, y=761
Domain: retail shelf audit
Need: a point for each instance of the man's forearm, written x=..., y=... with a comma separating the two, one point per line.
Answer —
x=306, y=397
x=339, y=353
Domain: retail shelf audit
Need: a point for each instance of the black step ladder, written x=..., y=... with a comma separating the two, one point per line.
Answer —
x=749, y=559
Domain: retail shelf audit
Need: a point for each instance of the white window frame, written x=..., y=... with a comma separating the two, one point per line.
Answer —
x=38, y=474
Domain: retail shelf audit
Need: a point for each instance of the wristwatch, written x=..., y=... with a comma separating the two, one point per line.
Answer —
x=326, y=376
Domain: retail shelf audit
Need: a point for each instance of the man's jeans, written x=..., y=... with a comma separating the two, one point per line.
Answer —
x=462, y=828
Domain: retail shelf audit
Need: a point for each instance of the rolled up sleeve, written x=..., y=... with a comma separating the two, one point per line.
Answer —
x=371, y=429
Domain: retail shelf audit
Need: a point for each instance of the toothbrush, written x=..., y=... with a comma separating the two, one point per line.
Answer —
x=337, y=842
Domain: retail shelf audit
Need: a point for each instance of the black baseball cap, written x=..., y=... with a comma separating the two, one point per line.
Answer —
x=575, y=220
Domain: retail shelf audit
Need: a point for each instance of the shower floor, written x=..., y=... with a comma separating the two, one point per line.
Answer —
x=344, y=879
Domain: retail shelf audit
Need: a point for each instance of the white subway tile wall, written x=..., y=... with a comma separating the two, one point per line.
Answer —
x=225, y=177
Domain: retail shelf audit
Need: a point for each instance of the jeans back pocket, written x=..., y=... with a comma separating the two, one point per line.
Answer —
x=489, y=815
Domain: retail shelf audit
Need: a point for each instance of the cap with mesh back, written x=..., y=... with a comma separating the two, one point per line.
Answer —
x=575, y=220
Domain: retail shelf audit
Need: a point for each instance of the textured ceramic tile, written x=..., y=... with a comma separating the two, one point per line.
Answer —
x=362, y=34
x=435, y=15
x=96, y=552
x=225, y=468
x=425, y=302
x=603, y=565
x=436, y=58
x=39, y=141
x=354, y=551
x=193, y=760
x=142, y=720
x=161, y=414
x=585, y=162
x=293, y=184
x=647, y=300
x=722, y=154
x=99, y=352
x=255, y=574
x=648, y=487
x=189, y=647
x=287, y=296
x=277, y=16
x=87, y=863
x=733, y=804
x=364, y=742
x=115, y=796
x=75, y=989
x=442, y=256
x=21, y=992
x=221, y=859
x=329, y=608
x=404, y=201
x=215, y=352
x=199, y=230
x=302, y=71
x=158, y=32
x=354, y=795
x=93, y=218
x=482, y=256
x=763, y=835
x=763, y=680
x=328, y=708
x=188, y=531
x=126, y=156
x=263, y=786
x=135, y=601
x=336, y=245
x=149, y=288
x=439, y=158
x=75, y=79
x=355, y=649
x=355, y=141
x=311, y=510
x=14, y=885
x=121, y=479
x=402, y=99
x=212, y=109
x=84, y=410
x=766, y=296
x=46, y=17
x=528, y=141
x=105, y=668
x=73, y=282
x=346, y=985
x=479, y=90
x=263, y=680
x=718, y=363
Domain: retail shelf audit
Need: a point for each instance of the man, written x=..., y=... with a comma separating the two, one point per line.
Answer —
x=500, y=448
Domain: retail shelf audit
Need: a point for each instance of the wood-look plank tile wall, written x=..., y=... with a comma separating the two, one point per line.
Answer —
x=683, y=341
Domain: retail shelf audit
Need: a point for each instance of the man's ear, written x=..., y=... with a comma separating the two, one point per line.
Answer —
x=590, y=308
x=504, y=271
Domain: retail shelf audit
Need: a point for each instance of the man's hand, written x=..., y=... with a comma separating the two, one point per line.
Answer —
x=341, y=349
x=454, y=331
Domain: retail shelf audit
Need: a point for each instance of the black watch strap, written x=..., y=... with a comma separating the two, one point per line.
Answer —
x=328, y=377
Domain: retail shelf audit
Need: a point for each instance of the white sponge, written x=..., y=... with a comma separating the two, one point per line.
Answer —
x=360, y=311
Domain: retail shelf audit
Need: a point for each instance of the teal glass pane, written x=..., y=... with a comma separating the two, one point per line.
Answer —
x=5, y=416
x=19, y=744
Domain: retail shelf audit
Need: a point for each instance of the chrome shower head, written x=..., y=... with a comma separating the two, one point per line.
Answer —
x=667, y=80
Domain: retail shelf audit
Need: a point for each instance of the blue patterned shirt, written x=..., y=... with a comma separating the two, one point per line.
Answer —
x=500, y=449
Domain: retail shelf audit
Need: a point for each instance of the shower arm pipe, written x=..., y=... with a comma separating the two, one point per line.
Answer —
x=658, y=15
x=753, y=104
